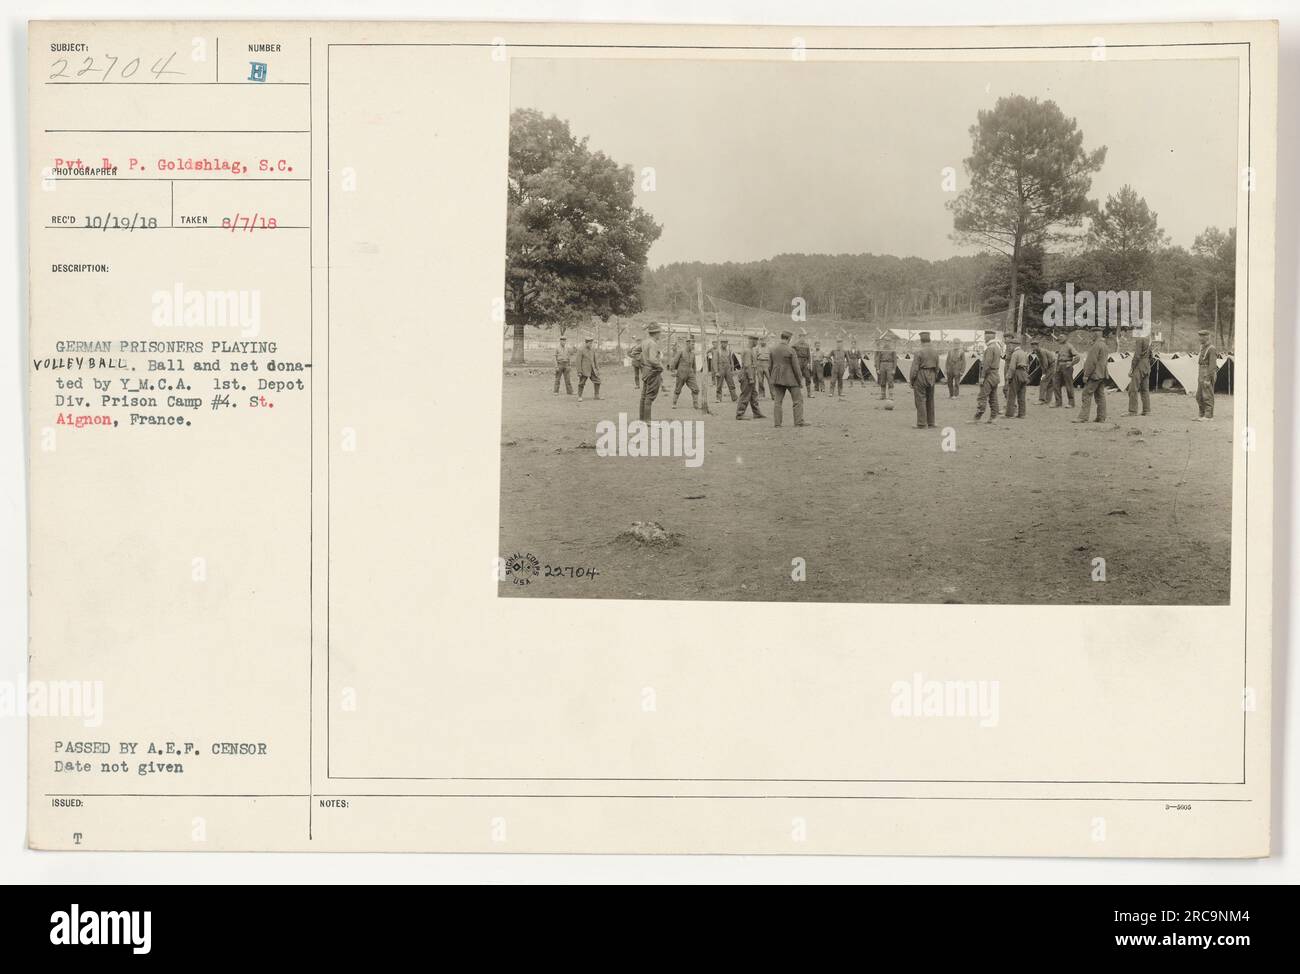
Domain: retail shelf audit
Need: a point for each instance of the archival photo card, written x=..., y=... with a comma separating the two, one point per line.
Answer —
x=651, y=439
x=885, y=331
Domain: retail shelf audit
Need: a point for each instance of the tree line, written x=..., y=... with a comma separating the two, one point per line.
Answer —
x=577, y=245
x=1190, y=286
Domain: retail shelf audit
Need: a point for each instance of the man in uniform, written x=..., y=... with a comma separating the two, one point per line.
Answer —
x=683, y=364
x=1095, y=371
x=724, y=371
x=1139, y=376
x=634, y=356
x=1066, y=356
x=839, y=360
x=923, y=377
x=802, y=350
x=855, y=363
x=989, y=365
x=1010, y=345
x=1017, y=377
x=652, y=363
x=1207, y=369
x=886, y=362
x=562, y=369
x=711, y=361
x=818, y=367
x=1046, y=372
x=764, y=368
x=749, y=370
x=588, y=368
x=787, y=376
x=954, y=368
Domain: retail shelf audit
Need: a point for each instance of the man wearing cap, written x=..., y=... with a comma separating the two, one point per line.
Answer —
x=1095, y=372
x=954, y=368
x=724, y=371
x=1046, y=372
x=787, y=376
x=839, y=362
x=1009, y=346
x=588, y=367
x=562, y=361
x=1017, y=377
x=855, y=363
x=683, y=364
x=652, y=364
x=671, y=352
x=804, y=353
x=886, y=362
x=989, y=365
x=818, y=366
x=749, y=379
x=1207, y=368
x=764, y=385
x=1139, y=376
x=1066, y=356
x=634, y=356
x=923, y=377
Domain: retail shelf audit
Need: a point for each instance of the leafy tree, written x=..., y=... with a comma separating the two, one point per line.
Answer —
x=741, y=288
x=576, y=243
x=857, y=300
x=1174, y=288
x=1126, y=235
x=1029, y=181
x=676, y=296
x=1217, y=252
x=996, y=284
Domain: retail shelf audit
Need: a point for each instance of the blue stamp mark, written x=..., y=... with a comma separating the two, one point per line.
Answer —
x=256, y=70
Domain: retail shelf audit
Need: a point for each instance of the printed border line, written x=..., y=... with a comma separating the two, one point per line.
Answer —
x=1245, y=514
x=851, y=798
x=820, y=781
x=311, y=442
x=786, y=47
x=673, y=47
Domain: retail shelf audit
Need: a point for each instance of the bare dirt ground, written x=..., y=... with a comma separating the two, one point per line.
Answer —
x=1017, y=513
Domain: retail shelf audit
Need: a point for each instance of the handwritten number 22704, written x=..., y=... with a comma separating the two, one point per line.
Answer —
x=60, y=68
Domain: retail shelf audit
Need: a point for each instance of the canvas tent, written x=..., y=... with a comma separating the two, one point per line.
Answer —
x=1174, y=372
x=1178, y=371
x=1170, y=371
x=1116, y=371
x=903, y=368
x=972, y=373
x=1226, y=377
x=869, y=368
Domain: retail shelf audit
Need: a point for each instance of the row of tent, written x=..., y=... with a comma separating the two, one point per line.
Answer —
x=1171, y=371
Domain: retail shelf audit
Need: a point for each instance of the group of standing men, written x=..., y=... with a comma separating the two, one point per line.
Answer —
x=588, y=367
x=1056, y=375
x=754, y=366
x=793, y=367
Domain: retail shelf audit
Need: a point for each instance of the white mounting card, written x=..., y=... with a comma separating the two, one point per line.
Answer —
x=651, y=439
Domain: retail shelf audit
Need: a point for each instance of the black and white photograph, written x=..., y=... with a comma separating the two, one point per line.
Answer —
x=947, y=332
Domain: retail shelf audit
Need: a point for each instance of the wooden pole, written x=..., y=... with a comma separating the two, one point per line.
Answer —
x=704, y=350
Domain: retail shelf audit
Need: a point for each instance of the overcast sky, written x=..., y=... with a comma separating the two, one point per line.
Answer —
x=753, y=159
